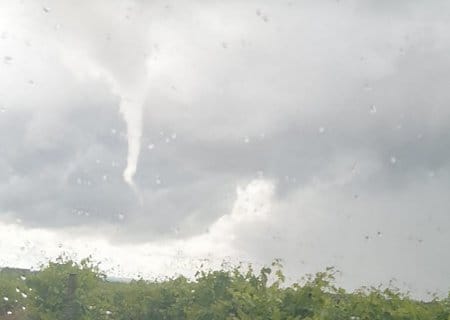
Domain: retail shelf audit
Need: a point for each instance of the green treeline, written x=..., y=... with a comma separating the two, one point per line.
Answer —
x=238, y=293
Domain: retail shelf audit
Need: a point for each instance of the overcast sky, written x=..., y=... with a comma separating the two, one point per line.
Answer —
x=157, y=134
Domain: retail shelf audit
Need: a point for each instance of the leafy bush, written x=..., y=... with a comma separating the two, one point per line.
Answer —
x=227, y=294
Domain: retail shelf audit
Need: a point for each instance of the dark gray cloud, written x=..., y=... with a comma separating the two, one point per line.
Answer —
x=343, y=104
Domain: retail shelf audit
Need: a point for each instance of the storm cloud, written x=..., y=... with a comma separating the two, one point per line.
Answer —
x=313, y=131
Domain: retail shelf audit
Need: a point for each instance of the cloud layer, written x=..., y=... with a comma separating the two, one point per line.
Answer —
x=331, y=117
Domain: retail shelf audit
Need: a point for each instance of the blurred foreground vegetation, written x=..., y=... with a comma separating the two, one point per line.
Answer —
x=237, y=293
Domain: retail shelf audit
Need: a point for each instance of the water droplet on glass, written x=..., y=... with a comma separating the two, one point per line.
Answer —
x=151, y=146
x=173, y=136
x=246, y=139
x=113, y=131
x=6, y=298
x=431, y=174
x=7, y=59
x=45, y=9
x=24, y=308
x=23, y=278
x=108, y=312
x=373, y=109
x=24, y=295
x=167, y=140
x=120, y=216
x=393, y=160
x=9, y=313
x=379, y=233
x=17, y=290
x=224, y=45
x=105, y=177
x=321, y=130
x=158, y=181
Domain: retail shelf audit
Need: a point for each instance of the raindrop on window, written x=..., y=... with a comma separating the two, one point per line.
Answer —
x=45, y=9
x=373, y=109
x=246, y=139
x=151, y=146
x=7, y=59
x=321, y=130
x=393, y=160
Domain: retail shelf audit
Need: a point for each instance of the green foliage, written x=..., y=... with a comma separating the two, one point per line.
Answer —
x=227, y=294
